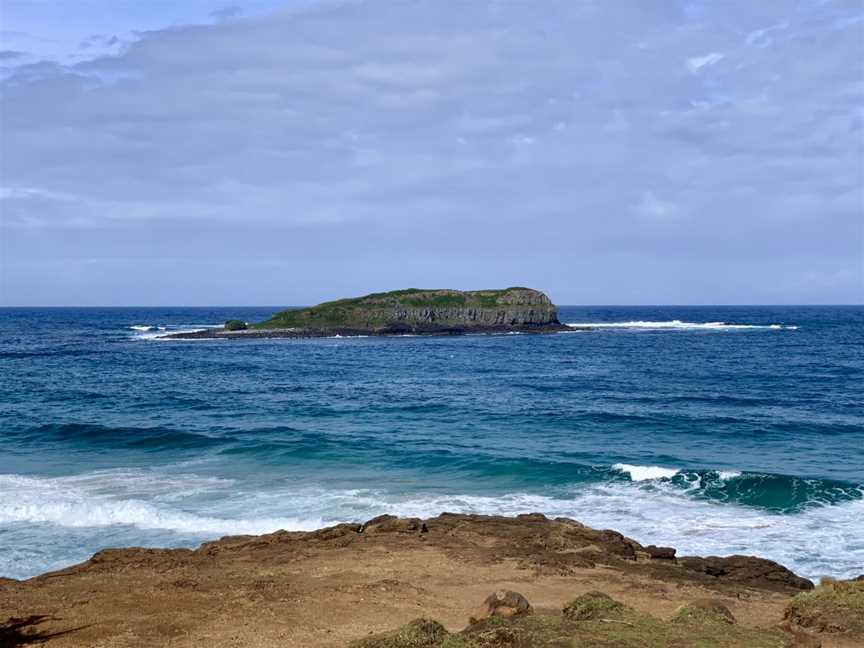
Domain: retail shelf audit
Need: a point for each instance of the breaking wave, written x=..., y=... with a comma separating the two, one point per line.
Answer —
x=155, y=332
x=192, y=508
x=643, y=473
x=65, y=503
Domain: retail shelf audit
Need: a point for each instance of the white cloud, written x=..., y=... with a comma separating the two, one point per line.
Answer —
x=652, y=208
x=26, y=193
x=697, y=63
x=764, y=37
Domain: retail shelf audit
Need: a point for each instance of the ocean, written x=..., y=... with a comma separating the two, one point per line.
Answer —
x=716, y=430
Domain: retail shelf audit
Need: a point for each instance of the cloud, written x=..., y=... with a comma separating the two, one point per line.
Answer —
x=765, y=37
x=226, y=13
x=652, y=208
x=354, y=142
x=25, y=193
x=8, y=55
x=100, y=41
x=697, y=63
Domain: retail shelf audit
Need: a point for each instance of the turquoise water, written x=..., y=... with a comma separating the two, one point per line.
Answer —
x=715, y=430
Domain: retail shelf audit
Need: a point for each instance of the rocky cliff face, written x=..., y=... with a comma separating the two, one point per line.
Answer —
x=512, y=307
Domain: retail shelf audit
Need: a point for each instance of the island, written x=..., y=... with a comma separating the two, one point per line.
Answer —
x=411, y=311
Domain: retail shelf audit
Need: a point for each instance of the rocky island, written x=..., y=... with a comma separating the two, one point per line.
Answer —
x=406, y=312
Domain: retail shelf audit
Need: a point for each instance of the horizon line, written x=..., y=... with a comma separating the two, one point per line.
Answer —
x=585, y=305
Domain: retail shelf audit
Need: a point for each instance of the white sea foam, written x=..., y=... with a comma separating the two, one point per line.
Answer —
x=135, y=506
x=164, y=333
x=726, y=475
x=71, y=502
x=152, y=332
x=677, y=325
x=643, y=473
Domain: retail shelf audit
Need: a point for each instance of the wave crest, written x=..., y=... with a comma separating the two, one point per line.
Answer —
x=76, y=502
x=155, y=332
x=644, y=473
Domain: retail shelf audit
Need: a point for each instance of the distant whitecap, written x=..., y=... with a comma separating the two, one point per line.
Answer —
x=677, y=325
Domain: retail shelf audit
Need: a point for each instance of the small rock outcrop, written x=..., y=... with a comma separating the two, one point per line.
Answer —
x=503, y=603
x=660, y=553
x=393, y=524
x=748, y=570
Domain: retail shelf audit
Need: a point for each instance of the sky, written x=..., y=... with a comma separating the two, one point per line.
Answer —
x=288, y=152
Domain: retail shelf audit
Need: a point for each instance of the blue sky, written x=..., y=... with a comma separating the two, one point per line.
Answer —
x=266, y=152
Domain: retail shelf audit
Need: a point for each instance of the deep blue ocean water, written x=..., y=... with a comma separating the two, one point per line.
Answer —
x=717, y=430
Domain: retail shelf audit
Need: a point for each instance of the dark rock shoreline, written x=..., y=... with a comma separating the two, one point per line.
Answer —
x=392, y=331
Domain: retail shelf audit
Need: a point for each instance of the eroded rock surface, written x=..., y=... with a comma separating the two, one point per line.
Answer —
x=328, y=587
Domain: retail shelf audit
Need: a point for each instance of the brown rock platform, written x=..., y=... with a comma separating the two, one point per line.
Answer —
x=330, y=587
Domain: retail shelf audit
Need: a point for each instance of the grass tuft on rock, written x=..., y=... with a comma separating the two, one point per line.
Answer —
x=704, y=611
x=594, y=621
x=420, y=633
x=513, y=632
x=593, y=605
x=834, y=607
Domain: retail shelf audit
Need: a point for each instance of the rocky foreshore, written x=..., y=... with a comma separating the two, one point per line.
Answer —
x=392, y=331
x=354, y=583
